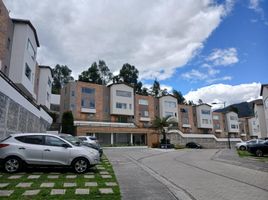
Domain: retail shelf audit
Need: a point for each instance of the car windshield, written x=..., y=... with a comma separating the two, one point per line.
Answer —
x=71, y=139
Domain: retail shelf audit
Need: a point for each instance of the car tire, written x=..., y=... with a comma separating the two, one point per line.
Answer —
x=12, y=164
x=80, y=165
x=259, y=153
x=242, y=148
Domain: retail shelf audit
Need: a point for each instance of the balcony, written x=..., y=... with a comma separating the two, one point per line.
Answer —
x=88, y=110
x=186, y=126
x=145, y=119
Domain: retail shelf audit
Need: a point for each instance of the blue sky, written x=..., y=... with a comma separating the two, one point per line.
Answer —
x=214, y=50
x=244, y=29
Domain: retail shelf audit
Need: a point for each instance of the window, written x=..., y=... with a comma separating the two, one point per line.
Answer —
x=168, y=114
x=72, y=93
x=53, y=141
x=233, y=126
x=130, y=106
x=88, y=90
x=92, y=104
x=233, y=118
x=170, y=104
x=216, y=117
x=205, y=112
x=31, y=49
x=121, y=105
x=72, y=106
x=28, y=71
x=184, y=110
x=122, y=93
x=144, y=113
x=143, y=102
x=31, y=139
x=204, y=121
x=217, y=126
x=49, y=82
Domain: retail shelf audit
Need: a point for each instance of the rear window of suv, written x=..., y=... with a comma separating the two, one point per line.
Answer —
x=30, y=139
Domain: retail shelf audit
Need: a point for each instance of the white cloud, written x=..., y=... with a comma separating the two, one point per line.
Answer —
x=155, y=36
x=223, y=57
x=224, y=78
x=254, y=4
x=225, y=93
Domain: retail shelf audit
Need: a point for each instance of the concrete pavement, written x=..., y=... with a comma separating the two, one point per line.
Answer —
x=185, y=174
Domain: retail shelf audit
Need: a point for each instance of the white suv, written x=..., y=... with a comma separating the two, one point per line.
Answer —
x=46, y=149
x=88, y=139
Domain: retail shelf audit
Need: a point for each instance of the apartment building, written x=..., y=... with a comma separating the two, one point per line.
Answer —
x=168, y=106
x=264, y=94
x=114, y=114
x=185, y=115
x=232, y=124
x=202, y=115
x=219, y=125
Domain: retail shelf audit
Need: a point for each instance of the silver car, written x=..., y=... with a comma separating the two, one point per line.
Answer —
x=243, y=145
x=46, y=149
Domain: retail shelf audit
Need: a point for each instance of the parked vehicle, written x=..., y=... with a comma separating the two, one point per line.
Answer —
x=193, y=145
x=243, y=145
x=22, y=149
x=259, y=149
x=89, y=139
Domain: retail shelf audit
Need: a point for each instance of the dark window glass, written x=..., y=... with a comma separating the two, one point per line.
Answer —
x=31, y=139
x=53, y=141
x=88, y=90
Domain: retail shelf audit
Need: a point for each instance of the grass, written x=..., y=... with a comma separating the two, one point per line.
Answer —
x=70, y=192
x=246, y=154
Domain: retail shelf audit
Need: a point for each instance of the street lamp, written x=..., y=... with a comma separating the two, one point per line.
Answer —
x=224, y=103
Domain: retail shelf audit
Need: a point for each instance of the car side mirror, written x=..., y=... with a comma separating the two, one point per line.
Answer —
x=65, y=145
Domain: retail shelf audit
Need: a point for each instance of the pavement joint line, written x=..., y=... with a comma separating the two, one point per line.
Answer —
x=221, y=175
x=178, y=192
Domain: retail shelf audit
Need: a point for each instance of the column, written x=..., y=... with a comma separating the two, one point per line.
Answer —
x=131, y=139
x=112, y=138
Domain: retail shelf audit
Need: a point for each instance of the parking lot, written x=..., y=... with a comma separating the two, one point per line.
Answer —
x=184, y=174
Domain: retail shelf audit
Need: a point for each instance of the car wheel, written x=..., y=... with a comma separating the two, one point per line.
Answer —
x=80, y=165
x=242, y=148
x=259, y=153
x=12, y=164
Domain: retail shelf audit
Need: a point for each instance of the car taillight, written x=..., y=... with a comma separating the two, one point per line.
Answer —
x=3, y=145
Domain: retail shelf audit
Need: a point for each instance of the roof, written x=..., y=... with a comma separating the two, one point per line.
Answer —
x=119, y=84
x=46, y=67
x=25, y=21
x=203, y=104
x=262, y=86
x=257, y=102
x=168, y=95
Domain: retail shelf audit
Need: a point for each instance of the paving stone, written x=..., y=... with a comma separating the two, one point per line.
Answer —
x=31, y=192
x=104, y=172
x=53, y=176
x=37, y=173
x=106, y=190
x=47, y=185
x=89, y=176
x=24, y=185
x=1, y=175
x=33, y=176
x=110, y=183
x=90, y=173
x=91, y=184
x=106, y=176
x=15, y=177
x=57, y=191
x=100, y=167
x=71, y=176
x=81, y=191
x=69, y=185
x=54, y=173
x=6, y=193
x=2, y=185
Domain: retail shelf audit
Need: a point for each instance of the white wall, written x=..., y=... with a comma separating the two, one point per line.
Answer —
x=55, y=99
x=232, y=122
x=201, y=116
x=119, y=99
x=165, y=108
x=265, y=103
x=44, y=88
x=254, y=129
x=20, y=56
x=260, y=116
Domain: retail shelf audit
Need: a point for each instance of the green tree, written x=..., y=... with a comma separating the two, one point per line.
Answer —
x=138, y=88
x=155, y=90
x=161, y=123
x=129, y=74
x=179, y=97
x=105, y=73
x=67, y=122
x=144, y=91
x=61, y=76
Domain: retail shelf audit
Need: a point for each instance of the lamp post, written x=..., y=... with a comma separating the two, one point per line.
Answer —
x=224, y=103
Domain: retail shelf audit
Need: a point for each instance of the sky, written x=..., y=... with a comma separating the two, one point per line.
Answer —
x=214, y=50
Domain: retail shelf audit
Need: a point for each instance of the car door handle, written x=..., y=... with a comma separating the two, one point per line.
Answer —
x=22, y=148
x=47, y=150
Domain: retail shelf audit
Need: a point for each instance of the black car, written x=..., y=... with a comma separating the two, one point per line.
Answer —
x=259, y=149
x=193, y=145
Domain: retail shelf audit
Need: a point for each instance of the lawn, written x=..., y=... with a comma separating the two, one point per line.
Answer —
x=46, y=181
x=246, y=154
